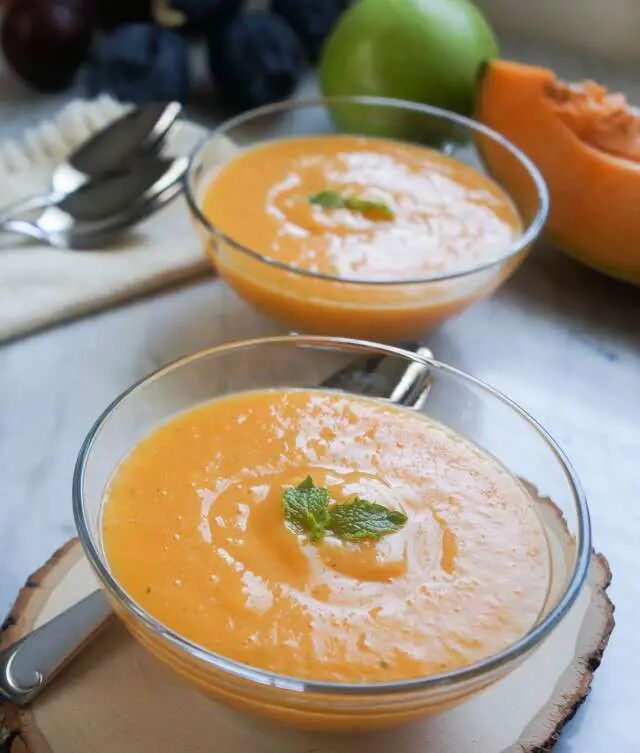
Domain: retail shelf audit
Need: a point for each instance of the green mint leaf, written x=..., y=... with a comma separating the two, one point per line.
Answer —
x=328, y=200
x=362, y=519
x=364, y=206
x=306, y=508
x=335, y=200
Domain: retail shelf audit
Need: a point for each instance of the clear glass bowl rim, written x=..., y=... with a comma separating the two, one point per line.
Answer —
x=287, y=682
x=530, y=234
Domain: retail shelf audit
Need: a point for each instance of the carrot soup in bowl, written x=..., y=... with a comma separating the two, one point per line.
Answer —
x=285, y=531
x=354, y=233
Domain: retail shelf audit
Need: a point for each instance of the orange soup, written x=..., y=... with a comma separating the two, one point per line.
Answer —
x=420, y=213
x=197, y=530
x=359, y=209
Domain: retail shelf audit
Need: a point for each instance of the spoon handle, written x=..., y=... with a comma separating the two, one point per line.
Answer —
x=23, y=227
x=28, y=204
x=28, y=664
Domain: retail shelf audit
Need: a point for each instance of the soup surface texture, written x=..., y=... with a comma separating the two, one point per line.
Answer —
x=194, y=530
x=361, y=208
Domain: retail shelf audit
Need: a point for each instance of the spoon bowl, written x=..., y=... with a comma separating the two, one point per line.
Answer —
x=138, y=131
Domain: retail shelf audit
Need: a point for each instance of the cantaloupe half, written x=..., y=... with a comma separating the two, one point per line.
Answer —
x=586, y=143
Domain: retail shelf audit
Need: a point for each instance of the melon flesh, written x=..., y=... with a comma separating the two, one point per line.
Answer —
x=586, y=143
x=601, y=119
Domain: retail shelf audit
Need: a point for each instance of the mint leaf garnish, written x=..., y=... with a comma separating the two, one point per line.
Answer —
x=306, y=509
x=362, y=519
x=335, y=200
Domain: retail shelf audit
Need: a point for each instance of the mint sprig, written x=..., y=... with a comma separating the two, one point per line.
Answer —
x=306, y=509
x=335, y=200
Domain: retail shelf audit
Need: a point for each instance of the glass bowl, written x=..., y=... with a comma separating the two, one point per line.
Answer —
x=468, y=406
x=390, y=310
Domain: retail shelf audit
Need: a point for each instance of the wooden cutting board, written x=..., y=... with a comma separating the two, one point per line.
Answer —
x=115, y=697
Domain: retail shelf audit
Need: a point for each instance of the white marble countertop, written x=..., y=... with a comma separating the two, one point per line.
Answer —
x=561, y=340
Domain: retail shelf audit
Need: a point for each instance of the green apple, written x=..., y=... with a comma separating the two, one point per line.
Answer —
x=423, y=50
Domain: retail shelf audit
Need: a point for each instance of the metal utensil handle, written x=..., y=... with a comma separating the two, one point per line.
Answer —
x=413, y=386
x=17, y=208
x=30, y=663
x=24, y=227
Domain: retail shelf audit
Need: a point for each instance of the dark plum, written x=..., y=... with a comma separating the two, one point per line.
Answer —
x=206, y=15
x=312, y=20
x=46, y=41
x=138, y=63
x=256, y=59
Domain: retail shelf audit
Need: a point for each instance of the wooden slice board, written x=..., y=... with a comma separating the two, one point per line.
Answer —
x=115, y=698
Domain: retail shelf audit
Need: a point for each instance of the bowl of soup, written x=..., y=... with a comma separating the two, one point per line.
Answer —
x=362, y=217
x=331, y=533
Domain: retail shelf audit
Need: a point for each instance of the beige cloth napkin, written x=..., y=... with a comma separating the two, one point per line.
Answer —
x=40, y=285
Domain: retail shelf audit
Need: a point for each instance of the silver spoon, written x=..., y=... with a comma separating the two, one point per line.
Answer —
x=29, y=664
x=139, y=131
x=98, y=210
